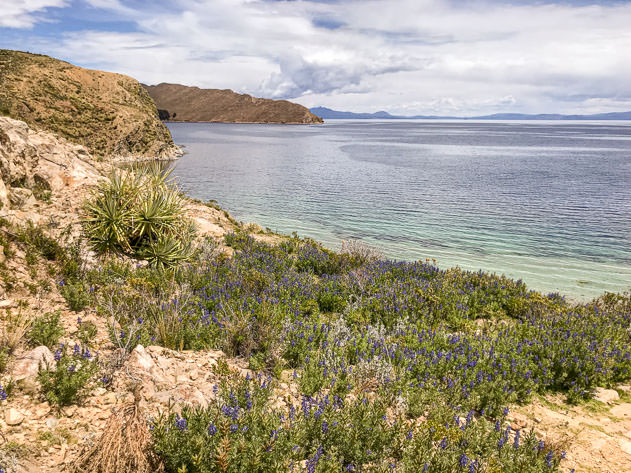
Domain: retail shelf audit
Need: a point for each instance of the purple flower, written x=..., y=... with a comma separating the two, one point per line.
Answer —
x=181, y=423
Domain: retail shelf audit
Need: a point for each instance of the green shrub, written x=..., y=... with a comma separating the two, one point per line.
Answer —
x=67, y=381
x=46, y=330
x=76, y=295
x=86, y=333
x=140, y=213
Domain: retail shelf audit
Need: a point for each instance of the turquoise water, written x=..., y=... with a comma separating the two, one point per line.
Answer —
x=546, y=202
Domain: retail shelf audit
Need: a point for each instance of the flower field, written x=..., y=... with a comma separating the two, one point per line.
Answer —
x=397, y=366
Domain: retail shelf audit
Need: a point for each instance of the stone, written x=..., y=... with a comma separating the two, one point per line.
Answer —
x=625, y=387
x=52, y=422
x=606, y=395
x=20, y=197
x=7, y=304
x=13, y=417
x=27, y=366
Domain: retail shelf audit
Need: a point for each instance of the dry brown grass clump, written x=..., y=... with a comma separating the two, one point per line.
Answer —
x=124, y=446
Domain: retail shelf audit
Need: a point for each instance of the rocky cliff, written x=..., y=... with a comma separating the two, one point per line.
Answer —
x=36, y=166
x=192, y=104
x=110, y=114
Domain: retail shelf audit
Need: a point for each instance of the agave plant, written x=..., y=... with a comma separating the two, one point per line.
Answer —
x=139, y=212
x=165, y=252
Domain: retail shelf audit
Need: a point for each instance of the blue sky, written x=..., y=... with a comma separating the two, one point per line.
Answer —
x=462, y=57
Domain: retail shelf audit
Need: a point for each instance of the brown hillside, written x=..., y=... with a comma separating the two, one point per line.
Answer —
x=110, y=114
x=192, y=104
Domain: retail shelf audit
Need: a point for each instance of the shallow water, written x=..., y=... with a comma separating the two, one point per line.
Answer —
x=546, y=202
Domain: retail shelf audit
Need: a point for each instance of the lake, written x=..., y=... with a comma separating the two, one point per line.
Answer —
x=545, y=202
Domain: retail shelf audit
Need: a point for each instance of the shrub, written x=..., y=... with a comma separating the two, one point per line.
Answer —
x=140, y=213
x=76, y=295
x=67, y=381
x=46, y=330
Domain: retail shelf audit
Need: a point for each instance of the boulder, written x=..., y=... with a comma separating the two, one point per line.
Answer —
x=606, y=395
x=142, y=365
x=27, y=366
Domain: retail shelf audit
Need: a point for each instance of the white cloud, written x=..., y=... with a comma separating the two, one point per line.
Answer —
x=24, y=13
x=404, y=56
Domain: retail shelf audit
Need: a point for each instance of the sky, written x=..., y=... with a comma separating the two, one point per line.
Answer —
x=446, y=57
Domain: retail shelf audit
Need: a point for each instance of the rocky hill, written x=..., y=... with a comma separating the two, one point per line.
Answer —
x=192, y=104
x=110, y=114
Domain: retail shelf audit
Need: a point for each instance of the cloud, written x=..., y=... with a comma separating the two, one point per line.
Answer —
x=25, y=13
x=404, y=56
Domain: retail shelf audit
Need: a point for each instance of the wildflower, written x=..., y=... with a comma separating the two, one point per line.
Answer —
x=181, y=423
x=549, y=458
x=212, y=430
x=58, y=353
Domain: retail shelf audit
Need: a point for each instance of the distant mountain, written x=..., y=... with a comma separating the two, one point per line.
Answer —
x=191, y=104
x=328, y=114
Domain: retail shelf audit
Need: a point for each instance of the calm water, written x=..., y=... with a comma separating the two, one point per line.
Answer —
x=546, y=202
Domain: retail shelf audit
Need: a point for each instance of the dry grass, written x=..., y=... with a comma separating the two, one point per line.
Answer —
x=125, y=445
x=14, y=328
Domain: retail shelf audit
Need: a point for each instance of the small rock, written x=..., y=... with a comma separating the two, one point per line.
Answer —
x=70, y=411
x=13, y=417
x=606, y=395
x=537, y=420
x=28, y=365
x=7, y=304
x=52, y=422
x=99, y=392
x=20, y=196
x=109, y=398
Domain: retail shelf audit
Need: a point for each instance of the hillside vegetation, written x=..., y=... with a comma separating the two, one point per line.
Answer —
x=110, y=114
x=192, y=104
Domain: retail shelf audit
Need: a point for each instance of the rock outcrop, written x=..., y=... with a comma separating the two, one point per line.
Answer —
x=192, y=104
x=36, y=164
x=110, y=114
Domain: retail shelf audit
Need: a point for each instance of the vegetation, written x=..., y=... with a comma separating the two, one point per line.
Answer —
x=46, y=330
x=140, y=213
x=399, y=366
x=67, y=381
